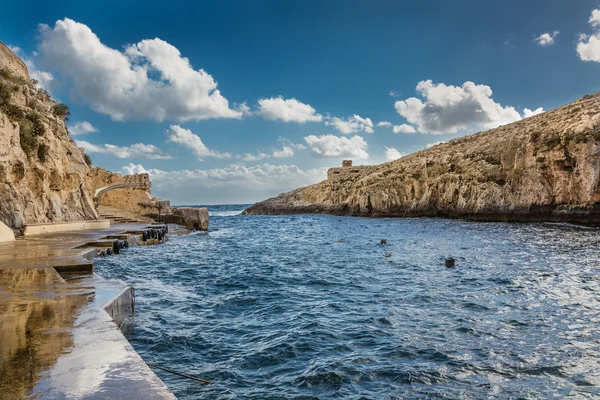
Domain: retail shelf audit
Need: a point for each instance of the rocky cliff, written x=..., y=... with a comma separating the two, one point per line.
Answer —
x=43, y=174
x=546, y=167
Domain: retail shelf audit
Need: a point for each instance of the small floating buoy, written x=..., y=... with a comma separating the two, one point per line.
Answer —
x=116, y=247
x=125, y=243
x=449, y=263
x=387, y=254
x=342, y=240
x=109, y=251
x=383, y=241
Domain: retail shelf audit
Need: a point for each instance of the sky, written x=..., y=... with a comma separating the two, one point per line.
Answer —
x=238, y=101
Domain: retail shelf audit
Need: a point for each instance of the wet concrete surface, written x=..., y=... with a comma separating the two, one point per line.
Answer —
x=56, y=339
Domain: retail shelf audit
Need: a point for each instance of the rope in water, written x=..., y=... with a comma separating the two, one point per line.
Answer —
x=179, y=374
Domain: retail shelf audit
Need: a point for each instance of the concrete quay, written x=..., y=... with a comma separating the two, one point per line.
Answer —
x=59, y=332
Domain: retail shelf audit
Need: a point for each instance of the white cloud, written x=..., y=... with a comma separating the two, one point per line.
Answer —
x=285, y=152
x=449, y=109
x=138, y=150
x=530, y=113
x=186, y=138
x=404, y=128
x=430, y=145
x=353, y=124
x=330, y=146
x=252, y=157
x=81, y=128
x=385, y=124
x=393, y=93
x=392, y=154
x=233, y=184
x=588, y=46
x=149, y=80
x=287, y=110
x=546, y=39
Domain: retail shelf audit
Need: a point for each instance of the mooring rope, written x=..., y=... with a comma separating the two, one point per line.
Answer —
x=179, y=374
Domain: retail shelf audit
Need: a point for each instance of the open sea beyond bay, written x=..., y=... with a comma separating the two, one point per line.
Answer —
x=276, y=307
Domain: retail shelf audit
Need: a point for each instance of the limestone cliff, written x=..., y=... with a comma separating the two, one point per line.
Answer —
x=43, y=174
x=546, y=167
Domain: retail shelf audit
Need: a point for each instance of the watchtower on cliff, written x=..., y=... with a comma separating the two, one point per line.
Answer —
x=346, y=163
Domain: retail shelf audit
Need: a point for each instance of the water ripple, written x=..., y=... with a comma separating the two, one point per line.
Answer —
x=279, y=308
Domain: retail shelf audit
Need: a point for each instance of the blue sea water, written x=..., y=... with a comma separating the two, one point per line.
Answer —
x=276, y=307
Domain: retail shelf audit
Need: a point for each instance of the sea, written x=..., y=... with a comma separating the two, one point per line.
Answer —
x=315, y=307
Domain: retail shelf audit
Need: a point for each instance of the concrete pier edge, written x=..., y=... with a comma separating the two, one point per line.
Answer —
x=139, y=381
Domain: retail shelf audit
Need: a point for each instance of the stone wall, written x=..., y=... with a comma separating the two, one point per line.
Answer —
x=11, y=61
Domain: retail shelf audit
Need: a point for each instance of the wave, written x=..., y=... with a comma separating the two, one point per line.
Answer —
x=225, y=213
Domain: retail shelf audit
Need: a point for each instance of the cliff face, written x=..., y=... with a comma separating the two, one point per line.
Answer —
x=546, y=167
x=43, y=174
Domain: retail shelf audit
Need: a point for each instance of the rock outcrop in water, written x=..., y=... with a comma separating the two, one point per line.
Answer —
x=546, y=167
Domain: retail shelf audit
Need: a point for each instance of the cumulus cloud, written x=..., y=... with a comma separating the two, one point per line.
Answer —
x=404, y=128
x=392, y=154
x=588, y=46
x=287, y=110
x=330, y=146
x=353, y=124
x=546, y=39
x=149, y=80
x=232, y=184
x=449, y=109
x=137, y=151
x=81, y=128
x=530, y=113
x=186, y=138
x=252, y=157
x=285, y=152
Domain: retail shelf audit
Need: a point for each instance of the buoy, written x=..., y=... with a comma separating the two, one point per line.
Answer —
x=388, y=255
x=116, y=247
x=383, y=241
x=449, y=263
x=126, y=244
x=144, y=236
x=101, y=254
x=342, y=240
x=109, y=251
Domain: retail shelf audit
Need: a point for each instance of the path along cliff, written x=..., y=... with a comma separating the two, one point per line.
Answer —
x=543, y=168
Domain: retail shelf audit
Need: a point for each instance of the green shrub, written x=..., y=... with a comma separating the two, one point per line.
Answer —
x=416, y=176
x=37, y=128
x=26, y=137
x=14, y=113
x=87, y=159
x=5, y=94
x=43, y=152
x=62, y=110
x=6, y=73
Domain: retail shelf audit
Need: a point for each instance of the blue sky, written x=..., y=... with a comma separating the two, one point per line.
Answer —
x=235, y=101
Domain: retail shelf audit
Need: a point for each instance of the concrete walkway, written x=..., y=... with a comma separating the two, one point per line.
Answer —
x=56, y=339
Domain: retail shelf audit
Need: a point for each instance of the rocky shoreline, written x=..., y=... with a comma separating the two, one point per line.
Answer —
x=543, y=168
